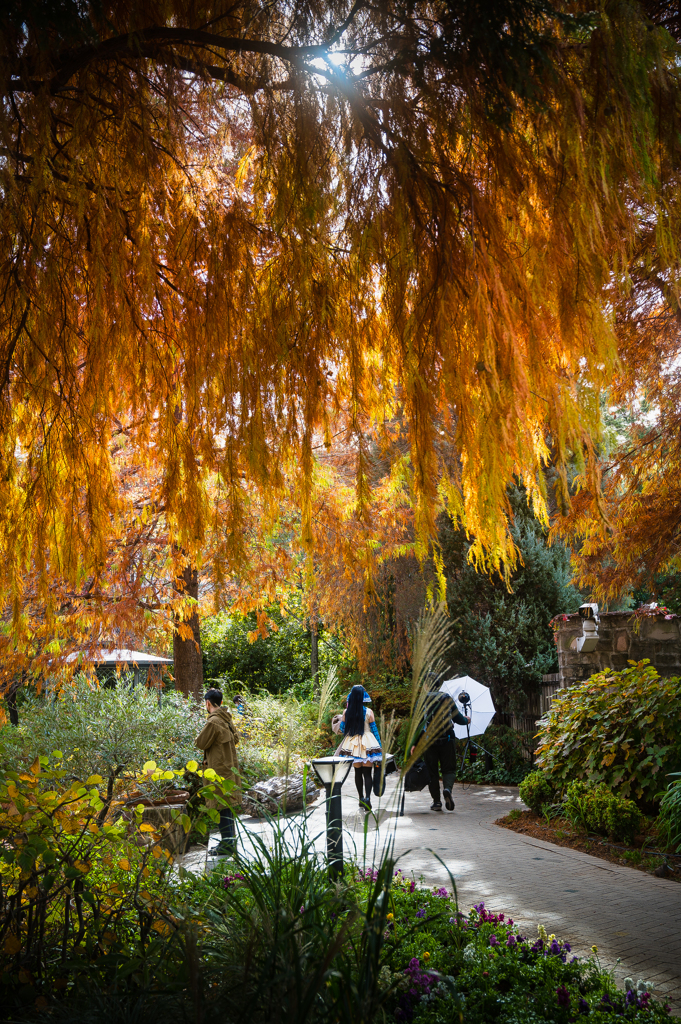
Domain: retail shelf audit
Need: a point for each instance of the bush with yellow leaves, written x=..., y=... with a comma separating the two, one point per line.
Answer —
x=79, y=888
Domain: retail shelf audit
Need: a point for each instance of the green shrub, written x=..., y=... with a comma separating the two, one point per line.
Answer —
x=113, y=732
x=618, y=728
x=535, y=791
x=277, y=735
x=670, y=814
x=483, y=772
x=597, y=809
x=104, y=731
x=505, y=746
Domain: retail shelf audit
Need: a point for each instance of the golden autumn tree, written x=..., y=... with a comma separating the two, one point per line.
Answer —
x=223, y=225
x=628, y=530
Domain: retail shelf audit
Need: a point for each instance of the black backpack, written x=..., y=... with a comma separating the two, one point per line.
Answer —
x=439, y=706
x=416, y=778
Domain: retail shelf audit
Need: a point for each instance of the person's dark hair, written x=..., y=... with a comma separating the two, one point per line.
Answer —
x=214, y=696
x=354, y=715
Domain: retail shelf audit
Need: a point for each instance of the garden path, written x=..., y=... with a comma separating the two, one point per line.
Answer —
x=626, y=913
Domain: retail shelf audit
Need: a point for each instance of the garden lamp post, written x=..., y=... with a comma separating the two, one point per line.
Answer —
x=332, y=773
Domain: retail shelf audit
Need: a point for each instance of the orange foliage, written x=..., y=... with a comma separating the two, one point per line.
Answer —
x=229, y=231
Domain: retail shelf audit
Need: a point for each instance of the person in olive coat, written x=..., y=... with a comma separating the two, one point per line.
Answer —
x=218, y=740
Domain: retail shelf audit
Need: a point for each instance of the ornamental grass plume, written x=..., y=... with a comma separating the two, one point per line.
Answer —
x=431, y=642
x=327, y=693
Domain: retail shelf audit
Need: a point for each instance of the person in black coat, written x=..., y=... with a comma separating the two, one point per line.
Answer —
x=440, y=716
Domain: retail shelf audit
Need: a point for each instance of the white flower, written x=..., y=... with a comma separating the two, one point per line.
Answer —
x=469, y=953
x=385, y=976
x=628, y=984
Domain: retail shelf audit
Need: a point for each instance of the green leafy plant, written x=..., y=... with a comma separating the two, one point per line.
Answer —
x=618, y=728
x=548, y=811
x=536, y=791
x=276, y=733
x=482, y=772
x=599, y=810
x=575, y=808
x=81, y=893
x=506, y=766
x=505, y=746
x=670, y=814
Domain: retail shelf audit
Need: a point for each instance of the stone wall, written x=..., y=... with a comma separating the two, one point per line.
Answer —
x=622, y=637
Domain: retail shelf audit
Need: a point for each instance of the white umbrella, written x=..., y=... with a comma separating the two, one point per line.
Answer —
x=481, y=707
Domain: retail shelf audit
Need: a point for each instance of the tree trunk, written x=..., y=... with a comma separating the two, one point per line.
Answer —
x=11, y=699
x=314, y=657
x=187, y=653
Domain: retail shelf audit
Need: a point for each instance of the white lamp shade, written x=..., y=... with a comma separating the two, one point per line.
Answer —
x=332, y=769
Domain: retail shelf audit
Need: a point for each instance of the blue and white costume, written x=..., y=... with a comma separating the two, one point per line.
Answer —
x=365, y=748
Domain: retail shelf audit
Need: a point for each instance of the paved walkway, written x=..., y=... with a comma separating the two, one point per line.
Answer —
x=628, y=914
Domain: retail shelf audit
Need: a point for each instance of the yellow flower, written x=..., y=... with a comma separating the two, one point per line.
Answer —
x=426, y=956
x=594, y=949
x=551, y=938
x=391, y=917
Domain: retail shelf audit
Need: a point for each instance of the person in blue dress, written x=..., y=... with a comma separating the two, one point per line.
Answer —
x=361, y=741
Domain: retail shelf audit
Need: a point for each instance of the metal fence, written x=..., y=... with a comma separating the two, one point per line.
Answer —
x=537, y=705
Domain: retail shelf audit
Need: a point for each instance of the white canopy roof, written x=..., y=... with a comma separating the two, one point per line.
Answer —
x=120, y=656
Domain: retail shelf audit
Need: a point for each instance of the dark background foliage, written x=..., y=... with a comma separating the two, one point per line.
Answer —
x=502, y=638
x=277, y=662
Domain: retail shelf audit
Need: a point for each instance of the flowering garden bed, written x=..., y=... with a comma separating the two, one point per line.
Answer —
x=99, y=926
x=478, y=967
x=562, y=832
x=416, y=958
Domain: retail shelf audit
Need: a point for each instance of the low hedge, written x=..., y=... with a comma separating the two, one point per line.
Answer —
x=536, y=791
x=599, y=810
x=593, y=806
